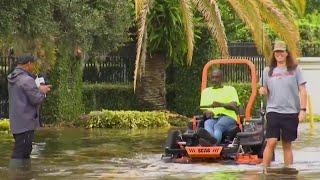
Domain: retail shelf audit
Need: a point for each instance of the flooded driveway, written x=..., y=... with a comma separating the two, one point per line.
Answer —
x=125, y=154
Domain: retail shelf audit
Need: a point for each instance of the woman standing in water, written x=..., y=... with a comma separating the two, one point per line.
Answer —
x=284, y=86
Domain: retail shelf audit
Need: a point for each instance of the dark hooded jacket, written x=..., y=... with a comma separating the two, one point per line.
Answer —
x=24, y=101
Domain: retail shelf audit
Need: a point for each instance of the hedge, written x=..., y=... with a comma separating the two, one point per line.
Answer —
x=131, y=119
x=109, y=96
x=244, y=92
x=4, y=125
x=316, y=118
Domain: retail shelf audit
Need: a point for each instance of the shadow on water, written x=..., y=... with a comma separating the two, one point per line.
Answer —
x=136, y=154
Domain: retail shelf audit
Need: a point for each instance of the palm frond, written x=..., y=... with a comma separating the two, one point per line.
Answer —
x=285, y=29
x=187, y=17
x=299, y=5
x=248, y=11
x=142, y=28
x=212, y=15
x=287, y=9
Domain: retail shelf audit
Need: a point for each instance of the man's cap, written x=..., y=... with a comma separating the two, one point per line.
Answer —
x=279, y=46
x=24, y=59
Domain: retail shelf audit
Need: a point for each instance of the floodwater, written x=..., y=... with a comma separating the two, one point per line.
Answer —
x=136, y=154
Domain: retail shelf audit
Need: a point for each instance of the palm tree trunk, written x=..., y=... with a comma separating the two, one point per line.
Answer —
x=150, y=90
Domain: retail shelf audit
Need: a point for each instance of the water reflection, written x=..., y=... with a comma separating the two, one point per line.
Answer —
x=122, y=154
x=20, y=174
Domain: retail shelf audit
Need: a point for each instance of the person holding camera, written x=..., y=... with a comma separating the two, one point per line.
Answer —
x=25, y=98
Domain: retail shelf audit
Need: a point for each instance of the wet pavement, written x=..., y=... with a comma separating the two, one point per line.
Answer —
x=136, y=154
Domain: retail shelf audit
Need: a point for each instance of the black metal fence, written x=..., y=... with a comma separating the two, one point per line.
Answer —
x=116, y=69
x=113, y=69
x=6, y=65
x=247, y=49
x=241, y=72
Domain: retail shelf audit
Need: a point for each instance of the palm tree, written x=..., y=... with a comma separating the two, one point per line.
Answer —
x=166, y=31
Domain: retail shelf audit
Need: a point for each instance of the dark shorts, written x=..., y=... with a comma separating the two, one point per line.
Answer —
x=22, y=145
x=282, y=125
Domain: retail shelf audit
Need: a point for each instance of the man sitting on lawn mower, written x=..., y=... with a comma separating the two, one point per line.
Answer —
x=221, y=116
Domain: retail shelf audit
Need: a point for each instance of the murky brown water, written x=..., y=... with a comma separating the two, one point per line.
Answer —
x=123, y=154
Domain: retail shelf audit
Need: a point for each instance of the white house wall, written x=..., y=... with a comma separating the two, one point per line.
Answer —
x=311, y=72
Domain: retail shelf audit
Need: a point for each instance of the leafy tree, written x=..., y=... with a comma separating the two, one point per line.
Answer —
x=310, y=34
x=63, y=33
x=312, y=6
x=83, y=26
x=235, y=29
x=27, y=26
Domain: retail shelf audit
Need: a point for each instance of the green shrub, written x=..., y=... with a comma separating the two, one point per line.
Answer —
x=4, y=125
x=316, y=118
x=109, y=96
x=131, y=119
x=64, y=102
x=244, y=92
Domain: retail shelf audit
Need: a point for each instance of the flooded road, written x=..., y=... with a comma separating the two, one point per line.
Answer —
x=125, y=154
